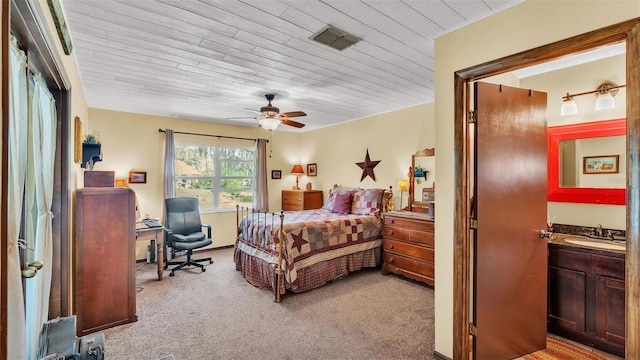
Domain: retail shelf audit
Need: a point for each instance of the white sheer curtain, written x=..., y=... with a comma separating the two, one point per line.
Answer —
x=39, y=197
x=169, y=167
x=261, y=200
x=17, y=166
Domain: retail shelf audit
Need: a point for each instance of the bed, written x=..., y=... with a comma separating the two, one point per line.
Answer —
x=318, y=245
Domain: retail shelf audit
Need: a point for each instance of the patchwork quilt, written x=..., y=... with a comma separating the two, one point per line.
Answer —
x=309, y=237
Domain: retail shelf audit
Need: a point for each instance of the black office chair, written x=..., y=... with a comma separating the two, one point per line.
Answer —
x=184, y=231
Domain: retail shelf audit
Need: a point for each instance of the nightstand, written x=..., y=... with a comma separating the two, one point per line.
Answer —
x=293, y=200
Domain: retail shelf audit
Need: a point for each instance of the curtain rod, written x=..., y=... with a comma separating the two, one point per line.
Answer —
x=211, y=135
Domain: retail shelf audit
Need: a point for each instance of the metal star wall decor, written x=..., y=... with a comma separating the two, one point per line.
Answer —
x=367, y=167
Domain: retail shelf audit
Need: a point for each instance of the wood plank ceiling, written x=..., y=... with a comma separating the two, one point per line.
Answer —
x=211, y=60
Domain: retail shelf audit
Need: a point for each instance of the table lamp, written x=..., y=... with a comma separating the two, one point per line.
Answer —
x=403, y=185
x=297, y=171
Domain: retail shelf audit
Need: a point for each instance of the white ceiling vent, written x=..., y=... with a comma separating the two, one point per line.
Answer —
x=335, y=38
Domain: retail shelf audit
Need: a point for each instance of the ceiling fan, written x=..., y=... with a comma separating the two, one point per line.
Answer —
x=271, y=117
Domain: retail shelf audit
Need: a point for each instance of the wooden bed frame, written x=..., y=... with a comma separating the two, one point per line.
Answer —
x=241, y=212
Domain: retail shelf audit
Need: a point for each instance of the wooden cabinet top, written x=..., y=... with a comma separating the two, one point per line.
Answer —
x=410, y=215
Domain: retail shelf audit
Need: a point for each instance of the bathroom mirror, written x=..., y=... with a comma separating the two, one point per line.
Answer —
x=572, y=147
x=422, y=181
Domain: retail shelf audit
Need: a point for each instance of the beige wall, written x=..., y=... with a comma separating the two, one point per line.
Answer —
x=132, y=142
x=527, y=25
x=391, y=138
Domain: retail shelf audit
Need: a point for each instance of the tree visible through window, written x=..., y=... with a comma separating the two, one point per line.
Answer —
x=221, y=177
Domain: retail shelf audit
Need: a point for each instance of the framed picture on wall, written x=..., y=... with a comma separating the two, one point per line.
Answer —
x=276, y=174
x=604, y=164
x=137, y=177
x=312, y=170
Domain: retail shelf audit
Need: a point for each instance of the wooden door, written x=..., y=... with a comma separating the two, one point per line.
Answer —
x=510, y=259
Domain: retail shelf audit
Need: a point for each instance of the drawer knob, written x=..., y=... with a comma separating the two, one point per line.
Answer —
x=391, y=246
x=392, y=221
x=390, y=260
x=390, y=232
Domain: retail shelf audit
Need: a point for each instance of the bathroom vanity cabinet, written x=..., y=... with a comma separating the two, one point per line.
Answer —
x=586, y=294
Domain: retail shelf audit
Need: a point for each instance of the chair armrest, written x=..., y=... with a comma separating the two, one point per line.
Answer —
x=208, y=229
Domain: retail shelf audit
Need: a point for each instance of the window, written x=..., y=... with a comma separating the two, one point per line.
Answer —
x=221, y=177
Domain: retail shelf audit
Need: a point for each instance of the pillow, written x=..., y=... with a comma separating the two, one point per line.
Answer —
x=367, y=202
x=332, y=195
x=342, y=203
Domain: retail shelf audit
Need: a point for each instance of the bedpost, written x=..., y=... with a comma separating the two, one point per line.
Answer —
x=279, y=266
x=237, y=221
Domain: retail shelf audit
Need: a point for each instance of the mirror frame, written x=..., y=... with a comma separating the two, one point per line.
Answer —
x=418, y=206
x=593, y=129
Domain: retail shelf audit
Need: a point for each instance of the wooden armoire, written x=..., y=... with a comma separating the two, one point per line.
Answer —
x=105, y=282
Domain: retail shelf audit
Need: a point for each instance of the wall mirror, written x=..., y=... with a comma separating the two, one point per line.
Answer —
x=422, y=181
x=587, y=162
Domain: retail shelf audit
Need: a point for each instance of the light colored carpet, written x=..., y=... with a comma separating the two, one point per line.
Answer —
x=218, y=315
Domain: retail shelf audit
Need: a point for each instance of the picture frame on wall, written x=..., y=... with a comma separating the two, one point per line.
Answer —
x=603, y=164
x=312, y=169
x=137, y=177
x=276, y=174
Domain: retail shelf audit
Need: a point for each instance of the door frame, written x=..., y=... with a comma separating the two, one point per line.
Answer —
x=627, y=31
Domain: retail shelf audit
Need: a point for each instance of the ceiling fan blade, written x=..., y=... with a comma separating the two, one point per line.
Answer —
x=293, y=114
x=257, y=112
x=291, y=122
x=241, y=118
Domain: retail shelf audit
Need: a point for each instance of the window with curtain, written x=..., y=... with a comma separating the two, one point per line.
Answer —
x=221, y=177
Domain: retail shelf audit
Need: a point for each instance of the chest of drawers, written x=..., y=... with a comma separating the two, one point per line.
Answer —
x=293, y=200
x=409, y=245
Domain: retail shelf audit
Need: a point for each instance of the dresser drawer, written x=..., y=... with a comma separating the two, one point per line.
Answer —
x=410, y=250
x=292, y=198
x=423, y=268
x=408, y=234
x=409, y=223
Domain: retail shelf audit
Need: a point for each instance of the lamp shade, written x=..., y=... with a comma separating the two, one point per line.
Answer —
x=297, y=170
x=605, y=101
x=403, y=185
x=569, y=107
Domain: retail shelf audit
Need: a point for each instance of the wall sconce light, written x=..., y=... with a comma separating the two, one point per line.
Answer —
x=604, y=93
x=403, y=186
x=297, y=171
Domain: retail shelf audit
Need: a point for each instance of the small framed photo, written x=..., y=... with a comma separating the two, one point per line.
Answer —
x=137, y=177
x=276, y=174
x=312, y=170
x=604, y=164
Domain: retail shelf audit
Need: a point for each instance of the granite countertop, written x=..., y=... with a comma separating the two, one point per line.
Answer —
x=561, y=239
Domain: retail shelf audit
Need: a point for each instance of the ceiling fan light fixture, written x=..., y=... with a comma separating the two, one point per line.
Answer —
x=269, y=123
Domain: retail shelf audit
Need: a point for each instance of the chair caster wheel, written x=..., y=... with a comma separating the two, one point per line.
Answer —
x=203, y=269
x=210, y=261
x=171, y=274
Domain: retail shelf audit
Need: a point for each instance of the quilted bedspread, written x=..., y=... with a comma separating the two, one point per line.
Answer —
x=310, y=236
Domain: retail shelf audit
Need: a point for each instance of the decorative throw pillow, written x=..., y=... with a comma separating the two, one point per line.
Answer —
x=342, y=203
x=332, y=195
x=367, y=202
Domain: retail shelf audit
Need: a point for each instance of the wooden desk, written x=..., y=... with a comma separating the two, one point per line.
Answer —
x=146, y=233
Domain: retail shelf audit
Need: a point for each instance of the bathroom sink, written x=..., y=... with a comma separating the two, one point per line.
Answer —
x=609, y=245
